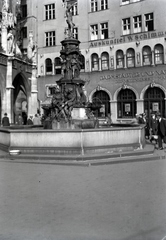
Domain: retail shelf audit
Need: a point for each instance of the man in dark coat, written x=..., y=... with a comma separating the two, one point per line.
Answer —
x=153, y=124
x=161, y=130
x=5, y=121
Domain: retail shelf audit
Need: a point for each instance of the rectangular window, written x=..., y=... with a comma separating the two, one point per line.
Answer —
x=149, y=22
x=104, y=30
x=75, y=33
x=126, y=26
x=50, y=38
x=24, y=11
x=137, y=22
x=104, y=4
x=94, y=32
x=94, y=6
x=50, y=11
x=24, y=32
x=74, y=9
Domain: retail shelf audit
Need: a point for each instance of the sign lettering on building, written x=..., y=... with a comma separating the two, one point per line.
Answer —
x=135, y=76
x=126, y=39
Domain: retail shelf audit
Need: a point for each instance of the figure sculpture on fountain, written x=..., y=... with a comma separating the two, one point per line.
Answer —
x=68, y=4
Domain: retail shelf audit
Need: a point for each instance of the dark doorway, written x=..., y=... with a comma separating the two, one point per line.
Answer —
x=154, y=101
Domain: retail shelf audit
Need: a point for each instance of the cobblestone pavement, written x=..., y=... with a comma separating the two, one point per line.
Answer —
x=125, y=201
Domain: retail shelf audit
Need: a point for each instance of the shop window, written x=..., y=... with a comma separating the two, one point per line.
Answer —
x=130, y=57
x=101, y=100
x=104, y=61
x=94, y=5
x=126, y=26
x=119, y=59
x=147, y=55
x=104, y=4
x=159, y=54
x=50, y=11
x=149, y=22
x=94, y=32
x=48, y=66
x=95, y=62
x=50, y=39
x=58, y=65
x=104, y=30
x=126, y=101
x=137, y=24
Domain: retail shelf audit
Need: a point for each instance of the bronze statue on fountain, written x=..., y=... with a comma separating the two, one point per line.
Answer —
x=68, y=103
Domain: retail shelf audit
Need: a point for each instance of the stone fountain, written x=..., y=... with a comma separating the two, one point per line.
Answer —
x=71, y=133
x=69, y=106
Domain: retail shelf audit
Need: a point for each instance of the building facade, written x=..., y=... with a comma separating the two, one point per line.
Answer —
x=18, y=67
x=123, y=47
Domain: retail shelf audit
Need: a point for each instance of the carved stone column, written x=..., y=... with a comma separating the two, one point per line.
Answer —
x=32, y=99
x=9, y=90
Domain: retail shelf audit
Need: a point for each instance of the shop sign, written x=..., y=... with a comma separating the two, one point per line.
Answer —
x=155, y=107
x=129, y=38
x=135, y=76
x=127, y=107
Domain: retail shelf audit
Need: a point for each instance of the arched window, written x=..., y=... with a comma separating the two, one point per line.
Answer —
x=159, y=54
x=57, y=63
x=154, y=101
x=126, y=103
x=147, y=55
x=104, y=61
x=95, y=62
x=130, y=58
x=48, y=66
x=82, y=60
x=119, y=59
x=102, y=99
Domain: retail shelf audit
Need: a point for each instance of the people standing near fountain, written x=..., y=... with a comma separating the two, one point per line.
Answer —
x=5, y=121
x=19, y=120
x=108, y=119
x=30, y=121
x=36, y=120
x=153, y=125
x=161, y=130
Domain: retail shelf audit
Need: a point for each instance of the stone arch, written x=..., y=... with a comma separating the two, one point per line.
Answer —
x=101, y=88
x=129, y=87
x=21, y=93
x=147, y=86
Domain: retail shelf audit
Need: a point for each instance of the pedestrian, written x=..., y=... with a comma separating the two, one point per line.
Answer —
x=108, y=119
x=153, y=125
x=30, y=121
x=36, y=120
x=20, y=120
x=5, y=121
x=161, y=130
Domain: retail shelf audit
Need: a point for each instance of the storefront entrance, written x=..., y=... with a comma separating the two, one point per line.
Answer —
x=101, y=98
x=126, y=104
x=154, y=101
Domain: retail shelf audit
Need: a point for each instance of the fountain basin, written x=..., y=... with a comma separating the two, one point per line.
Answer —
x=72, y=142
